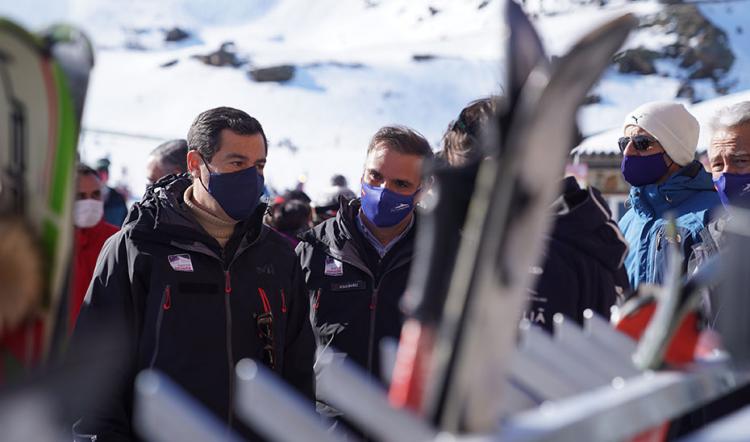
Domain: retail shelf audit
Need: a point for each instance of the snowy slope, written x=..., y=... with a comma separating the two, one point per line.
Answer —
x=355, y=71
x=327, y=113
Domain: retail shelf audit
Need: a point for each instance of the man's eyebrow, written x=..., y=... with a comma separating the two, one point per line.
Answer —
x=261, y=161
x=236, y=156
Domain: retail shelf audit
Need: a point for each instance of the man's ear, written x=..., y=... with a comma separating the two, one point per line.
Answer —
x=194, y=163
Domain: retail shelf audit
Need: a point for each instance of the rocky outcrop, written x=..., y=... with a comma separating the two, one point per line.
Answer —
x=176, y=34
x=278, y=74
x=225, y=56
x=636, y=61
x=701, y=49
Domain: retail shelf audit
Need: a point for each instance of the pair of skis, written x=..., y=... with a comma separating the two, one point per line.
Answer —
x=452, y=365
x=43, y=81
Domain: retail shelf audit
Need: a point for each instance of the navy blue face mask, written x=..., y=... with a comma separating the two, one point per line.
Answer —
x=238, y=193
x=643, y=170
x=385, y=208
x=733, y=188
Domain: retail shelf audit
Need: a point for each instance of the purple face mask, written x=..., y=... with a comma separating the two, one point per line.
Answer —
x=384, y=207
x=643, y=170
x=733, y=187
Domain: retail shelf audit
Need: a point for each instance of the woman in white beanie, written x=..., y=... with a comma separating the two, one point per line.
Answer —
x=658, y=150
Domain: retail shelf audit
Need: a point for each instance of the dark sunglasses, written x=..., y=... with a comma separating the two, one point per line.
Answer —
x=640, y=142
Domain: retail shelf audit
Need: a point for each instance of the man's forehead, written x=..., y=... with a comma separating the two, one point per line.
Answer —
x=635, y=130
x=735, y=141
x=89, y=180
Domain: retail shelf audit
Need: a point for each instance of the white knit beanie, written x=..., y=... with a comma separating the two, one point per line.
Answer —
x=672, y=126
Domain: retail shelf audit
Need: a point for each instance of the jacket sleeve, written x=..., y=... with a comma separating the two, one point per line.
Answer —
x=108, y=314
x=299, y=349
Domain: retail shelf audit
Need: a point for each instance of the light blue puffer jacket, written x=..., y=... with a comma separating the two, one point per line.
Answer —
x=689, y=195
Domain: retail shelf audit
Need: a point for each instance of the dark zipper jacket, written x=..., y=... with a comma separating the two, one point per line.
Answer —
x=190, y=308
x=584, y=261
x=354, y=294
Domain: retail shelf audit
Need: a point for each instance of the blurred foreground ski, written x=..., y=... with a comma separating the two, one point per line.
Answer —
x=505, y=229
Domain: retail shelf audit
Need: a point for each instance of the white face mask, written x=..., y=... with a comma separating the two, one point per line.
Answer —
x=87, y=213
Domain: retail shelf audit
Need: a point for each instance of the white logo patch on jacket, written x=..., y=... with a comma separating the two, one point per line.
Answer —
x=333, y=267
x=181, y=262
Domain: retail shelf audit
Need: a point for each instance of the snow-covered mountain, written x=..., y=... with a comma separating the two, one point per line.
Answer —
x=360, y=64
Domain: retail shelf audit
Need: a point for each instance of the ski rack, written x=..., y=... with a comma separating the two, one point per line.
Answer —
x=299, y=420
x=163, y=412
x=730, y=428
x=618, y=407
x=625, y=408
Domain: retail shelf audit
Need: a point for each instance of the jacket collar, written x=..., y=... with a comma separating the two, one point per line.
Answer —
x=163, y=216
x=653, y=200
x=340, y=238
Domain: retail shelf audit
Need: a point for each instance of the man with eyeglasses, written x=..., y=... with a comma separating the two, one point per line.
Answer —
x=658, y=147
x=199, y=283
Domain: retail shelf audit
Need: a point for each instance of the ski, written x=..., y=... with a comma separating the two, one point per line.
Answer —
x=40, y=115
x=441, y=221
x=506, y=224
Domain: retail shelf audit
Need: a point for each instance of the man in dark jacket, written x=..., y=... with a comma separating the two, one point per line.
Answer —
x=356, y=265
x=199, y=282
x=583, y=267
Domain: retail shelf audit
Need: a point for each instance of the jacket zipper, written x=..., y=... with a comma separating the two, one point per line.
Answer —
x=227, y=307
x=373, y=304
x=166, y=304
x=230, y=356
x=373, y=317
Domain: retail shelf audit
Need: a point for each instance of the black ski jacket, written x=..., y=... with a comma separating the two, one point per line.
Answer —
x=583, y=267
x=354, y=294
x=192, y=309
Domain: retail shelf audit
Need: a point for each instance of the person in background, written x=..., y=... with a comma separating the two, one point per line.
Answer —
x=658, y=146
x=168, y=158
x=327, y=204
x=729, y=162
x=583, y=263
x=290, y=218
x=115, y=208
x=91, y=230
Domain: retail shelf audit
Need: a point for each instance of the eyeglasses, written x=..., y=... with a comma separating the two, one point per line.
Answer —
x=640, y=142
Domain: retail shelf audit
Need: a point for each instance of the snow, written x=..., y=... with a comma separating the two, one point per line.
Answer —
x=327, y=112
x=355, y=71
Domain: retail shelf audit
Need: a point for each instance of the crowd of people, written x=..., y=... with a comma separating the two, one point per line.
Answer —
x=202, y=273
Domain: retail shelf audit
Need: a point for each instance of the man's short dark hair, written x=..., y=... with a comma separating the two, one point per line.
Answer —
x=172, y=154
x=462, y=142
x=292, y=215
x=84, y=170
x=402, y=139
x=203, y=135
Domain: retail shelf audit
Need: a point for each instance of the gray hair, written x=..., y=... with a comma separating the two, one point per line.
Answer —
x=172, y=154
x=731, y=116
